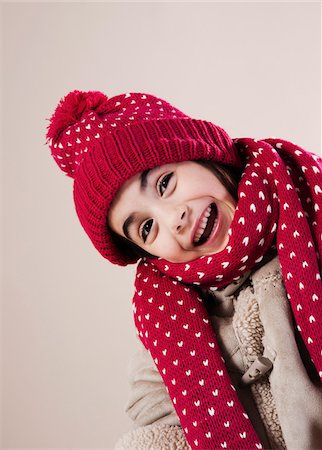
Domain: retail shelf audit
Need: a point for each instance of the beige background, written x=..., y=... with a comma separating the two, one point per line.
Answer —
x=67, y=328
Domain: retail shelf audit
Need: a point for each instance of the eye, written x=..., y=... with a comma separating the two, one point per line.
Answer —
x=163, y=183
x=146, y=229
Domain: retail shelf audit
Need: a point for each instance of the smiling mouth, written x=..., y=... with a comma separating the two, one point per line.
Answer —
x=207, y=223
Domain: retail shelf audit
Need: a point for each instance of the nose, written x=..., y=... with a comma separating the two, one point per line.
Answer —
x=179, y=218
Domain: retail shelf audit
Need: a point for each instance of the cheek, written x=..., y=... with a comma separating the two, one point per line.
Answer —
x=165, y=247
x=208, y=185
x=220, y=191
x=221, y=194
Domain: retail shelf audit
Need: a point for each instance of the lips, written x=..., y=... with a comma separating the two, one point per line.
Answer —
x=205, y=225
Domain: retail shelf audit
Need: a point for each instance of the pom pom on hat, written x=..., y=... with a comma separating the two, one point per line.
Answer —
x=73, y=130
x=72, y=107
x=101, y=142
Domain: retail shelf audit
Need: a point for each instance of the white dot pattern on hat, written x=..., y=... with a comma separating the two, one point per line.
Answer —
x=102, y=154
x=279, y=206
x=122, y=111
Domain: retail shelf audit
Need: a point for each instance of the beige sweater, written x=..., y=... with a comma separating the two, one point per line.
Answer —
x=251, y=318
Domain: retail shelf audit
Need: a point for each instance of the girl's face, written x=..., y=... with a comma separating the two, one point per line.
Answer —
x=177, y=211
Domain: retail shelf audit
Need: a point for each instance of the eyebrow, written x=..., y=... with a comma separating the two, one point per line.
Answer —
x=131, y=219
x=144, y=179
x=126, y=225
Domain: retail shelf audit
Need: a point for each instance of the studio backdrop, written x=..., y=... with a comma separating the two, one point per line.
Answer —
x=68, y=333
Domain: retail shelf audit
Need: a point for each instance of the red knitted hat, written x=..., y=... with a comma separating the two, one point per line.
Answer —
x=101, y=142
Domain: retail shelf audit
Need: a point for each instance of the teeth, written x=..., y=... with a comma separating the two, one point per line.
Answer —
x=202, y=225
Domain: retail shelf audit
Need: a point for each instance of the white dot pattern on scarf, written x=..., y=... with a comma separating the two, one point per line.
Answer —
x=279, y=206
x=183, y=351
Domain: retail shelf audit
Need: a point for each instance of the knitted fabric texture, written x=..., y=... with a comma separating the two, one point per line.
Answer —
x=279, y=205
x=103, y=142
x=149, y=404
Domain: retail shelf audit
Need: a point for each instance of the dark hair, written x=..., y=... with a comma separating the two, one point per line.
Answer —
x=128, y=247
x=227, y=175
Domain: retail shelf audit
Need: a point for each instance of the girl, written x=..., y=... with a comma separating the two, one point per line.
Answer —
x=206, y=213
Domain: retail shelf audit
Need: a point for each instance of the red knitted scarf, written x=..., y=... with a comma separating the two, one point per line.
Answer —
x=279, y=203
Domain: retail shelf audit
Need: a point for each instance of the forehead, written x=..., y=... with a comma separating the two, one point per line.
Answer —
x=132, y=191
x=127, y=190
x=133, y=185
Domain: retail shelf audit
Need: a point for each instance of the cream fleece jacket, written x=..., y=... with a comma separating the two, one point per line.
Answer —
x=250, y=319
